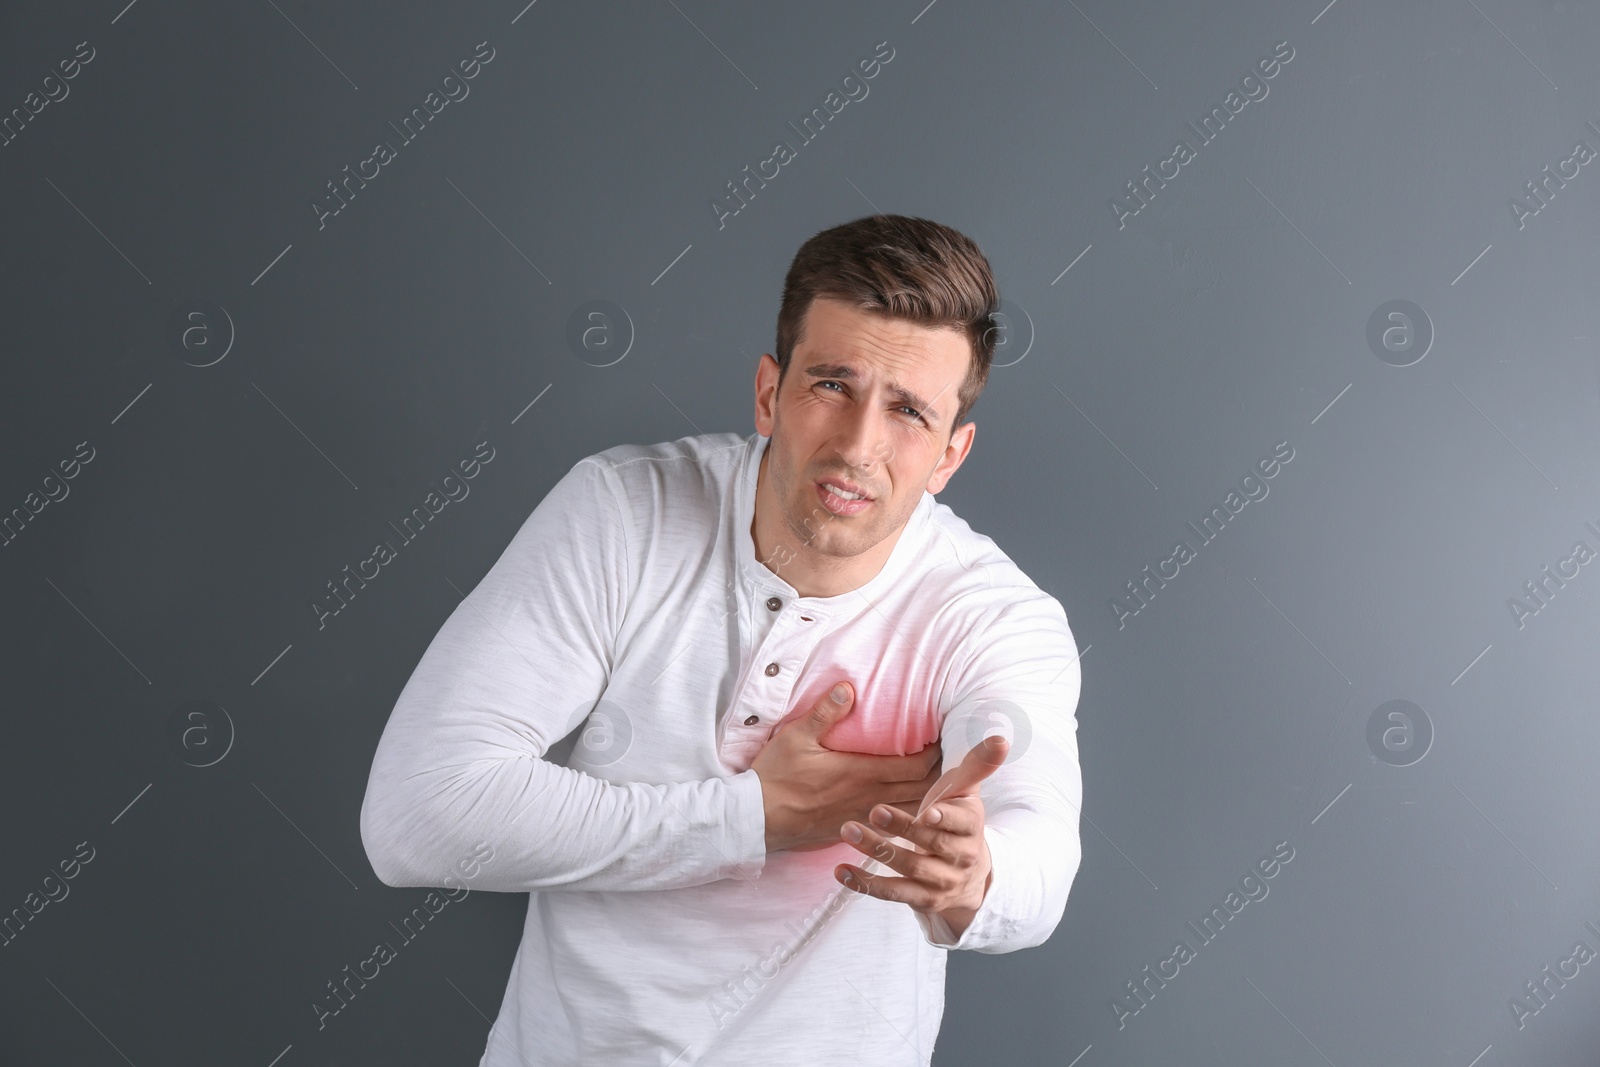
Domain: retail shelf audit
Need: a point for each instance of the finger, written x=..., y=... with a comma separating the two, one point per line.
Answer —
x=891, y=770
x=960, y=816
x=949, y=843
x=921, y=763
x=904, y=890
x=908, y=861
x=962, y=780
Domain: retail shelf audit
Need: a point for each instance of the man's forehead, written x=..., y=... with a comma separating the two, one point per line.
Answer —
x=876, y=345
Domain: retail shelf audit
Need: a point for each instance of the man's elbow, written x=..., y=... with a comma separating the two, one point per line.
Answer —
x=1053, y=889
x=384, y=841
x=1046, y=927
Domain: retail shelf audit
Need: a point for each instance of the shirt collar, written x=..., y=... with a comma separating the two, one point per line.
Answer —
x=763, y=580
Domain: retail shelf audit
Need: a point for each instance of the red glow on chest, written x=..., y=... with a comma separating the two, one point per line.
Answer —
x=889, y=717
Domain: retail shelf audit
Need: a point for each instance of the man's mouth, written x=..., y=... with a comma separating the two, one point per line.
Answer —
x=841, y=497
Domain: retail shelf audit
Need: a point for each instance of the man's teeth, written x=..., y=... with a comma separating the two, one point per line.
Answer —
x=847, y=495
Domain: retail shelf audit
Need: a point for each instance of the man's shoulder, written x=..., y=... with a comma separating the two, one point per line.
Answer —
x=688, y=478
x=972, y=569
x=682, y=458
x=999, y=610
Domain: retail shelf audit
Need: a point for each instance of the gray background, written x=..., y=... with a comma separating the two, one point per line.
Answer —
x=1230, y=314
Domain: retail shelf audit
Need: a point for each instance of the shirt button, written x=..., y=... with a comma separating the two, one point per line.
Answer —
x=773, y=603
x=772, y=668
x=752, y=720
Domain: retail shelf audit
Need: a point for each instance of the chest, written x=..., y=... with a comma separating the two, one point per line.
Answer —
x=702, y=683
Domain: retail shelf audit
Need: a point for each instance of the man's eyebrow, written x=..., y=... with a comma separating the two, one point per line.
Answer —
x=844, y=370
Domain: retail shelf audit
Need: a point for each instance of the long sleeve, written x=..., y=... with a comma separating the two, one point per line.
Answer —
x=1023, y=666
x=519, y=664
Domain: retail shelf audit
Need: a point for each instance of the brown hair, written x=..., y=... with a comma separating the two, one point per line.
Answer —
x=904, y=268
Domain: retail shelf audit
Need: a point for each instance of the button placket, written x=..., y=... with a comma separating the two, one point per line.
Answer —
x=780, y=641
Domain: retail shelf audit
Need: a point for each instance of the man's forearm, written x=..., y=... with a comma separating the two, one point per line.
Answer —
x=553, y=827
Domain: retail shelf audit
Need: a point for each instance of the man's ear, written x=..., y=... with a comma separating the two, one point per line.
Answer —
x=955, y=453
x=766, y=394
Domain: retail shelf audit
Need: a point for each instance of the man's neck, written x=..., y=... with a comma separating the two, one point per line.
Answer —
x=811, y=573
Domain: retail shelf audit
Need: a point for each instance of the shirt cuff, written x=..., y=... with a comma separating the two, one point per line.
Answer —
x=745, y=843
x=987, y=921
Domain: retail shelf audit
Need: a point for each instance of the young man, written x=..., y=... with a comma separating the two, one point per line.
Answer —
x=709, y=884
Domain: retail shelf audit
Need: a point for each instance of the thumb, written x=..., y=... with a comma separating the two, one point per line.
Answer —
x=964, y=779
x=834, y=705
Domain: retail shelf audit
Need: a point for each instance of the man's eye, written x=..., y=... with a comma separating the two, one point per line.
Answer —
x=913, y=412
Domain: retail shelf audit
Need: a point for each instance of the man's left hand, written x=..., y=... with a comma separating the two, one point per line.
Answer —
x=948, y=870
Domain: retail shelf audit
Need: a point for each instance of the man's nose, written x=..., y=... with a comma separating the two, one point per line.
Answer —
x=860, y=438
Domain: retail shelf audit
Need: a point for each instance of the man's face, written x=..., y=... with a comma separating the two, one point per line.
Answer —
x=867, y=404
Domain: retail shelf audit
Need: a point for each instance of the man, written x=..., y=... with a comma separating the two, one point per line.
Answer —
x=692, y=605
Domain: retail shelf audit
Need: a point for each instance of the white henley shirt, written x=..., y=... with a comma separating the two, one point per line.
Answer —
x=659, y=929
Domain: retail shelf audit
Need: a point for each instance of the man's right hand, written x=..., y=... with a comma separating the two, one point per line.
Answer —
x=808, y=791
